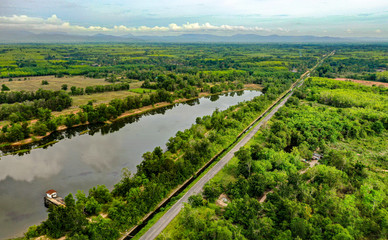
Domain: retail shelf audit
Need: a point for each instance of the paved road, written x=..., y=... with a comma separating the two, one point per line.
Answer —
x=162, y=223
x=158, y=227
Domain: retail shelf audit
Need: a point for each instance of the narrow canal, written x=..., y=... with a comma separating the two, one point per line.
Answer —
x=81, y=161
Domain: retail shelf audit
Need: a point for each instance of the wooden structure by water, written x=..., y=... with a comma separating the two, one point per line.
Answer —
x=52, y=198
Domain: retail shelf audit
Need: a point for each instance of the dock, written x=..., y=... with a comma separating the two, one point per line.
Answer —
x=52, y=198
x=58, y=201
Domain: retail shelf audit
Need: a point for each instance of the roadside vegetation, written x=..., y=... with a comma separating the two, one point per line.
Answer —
x=159, y=173
x=344, y=197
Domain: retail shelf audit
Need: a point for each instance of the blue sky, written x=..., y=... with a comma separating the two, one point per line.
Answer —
x=342, y=18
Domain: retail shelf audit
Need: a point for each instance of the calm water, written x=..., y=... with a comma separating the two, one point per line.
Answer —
x=86, y=160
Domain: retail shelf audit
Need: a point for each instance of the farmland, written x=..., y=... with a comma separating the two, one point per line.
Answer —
x=100, y=75
x=34, y=83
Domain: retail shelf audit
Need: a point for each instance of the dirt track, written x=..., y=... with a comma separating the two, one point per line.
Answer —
x=363, y=82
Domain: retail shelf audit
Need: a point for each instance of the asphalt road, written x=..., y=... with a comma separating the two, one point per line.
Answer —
x=162, y=223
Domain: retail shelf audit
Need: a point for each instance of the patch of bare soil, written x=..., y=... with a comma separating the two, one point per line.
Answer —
x=363, y=82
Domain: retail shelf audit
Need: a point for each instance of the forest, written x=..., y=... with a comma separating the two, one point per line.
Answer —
x=345, y=196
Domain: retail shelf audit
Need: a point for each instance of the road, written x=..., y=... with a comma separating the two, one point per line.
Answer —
x=158, y=227
x=162, y=223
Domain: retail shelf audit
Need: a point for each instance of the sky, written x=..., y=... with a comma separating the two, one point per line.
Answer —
x=336, y=18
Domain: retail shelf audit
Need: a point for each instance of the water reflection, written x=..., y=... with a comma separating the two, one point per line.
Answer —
x=32, y=167
x=92, y=129
x=86, y=156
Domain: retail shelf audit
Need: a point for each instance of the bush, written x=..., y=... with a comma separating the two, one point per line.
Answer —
x=92, y=207
x=196, y=200
x=4, y=88
x=39, y=129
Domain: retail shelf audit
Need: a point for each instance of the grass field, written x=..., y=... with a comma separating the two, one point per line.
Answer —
x=34, y=83
x=141, y=90
x=105, y=97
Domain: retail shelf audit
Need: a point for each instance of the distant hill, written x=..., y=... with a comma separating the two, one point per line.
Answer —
x=28, y=37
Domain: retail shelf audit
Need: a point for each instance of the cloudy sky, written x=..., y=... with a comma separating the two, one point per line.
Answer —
x=342, y=18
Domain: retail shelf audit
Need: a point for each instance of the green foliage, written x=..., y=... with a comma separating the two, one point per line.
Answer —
x=196, y=200
x=198, y=224
x=63, y=220
x=4, y=88
x=30, y=103
x=101, y=194
x=39, y=129
x=32, y=232
x=92, y=207
x=101, y=228
x=345, y=197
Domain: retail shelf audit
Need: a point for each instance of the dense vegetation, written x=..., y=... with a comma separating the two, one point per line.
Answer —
x=345, y=197
x=159, y=173
x=147, y=61
x=365, y=62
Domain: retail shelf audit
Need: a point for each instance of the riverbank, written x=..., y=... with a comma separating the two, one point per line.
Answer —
x=142, y=110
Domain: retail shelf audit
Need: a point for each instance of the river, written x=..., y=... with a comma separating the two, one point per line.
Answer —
x=82, y=160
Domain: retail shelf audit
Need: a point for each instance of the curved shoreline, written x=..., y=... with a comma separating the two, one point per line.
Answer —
x=126, y=114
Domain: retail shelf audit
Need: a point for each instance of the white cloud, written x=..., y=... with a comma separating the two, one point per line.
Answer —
x=55, y=24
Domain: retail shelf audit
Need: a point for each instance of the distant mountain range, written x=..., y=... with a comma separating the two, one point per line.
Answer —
x=28, y=37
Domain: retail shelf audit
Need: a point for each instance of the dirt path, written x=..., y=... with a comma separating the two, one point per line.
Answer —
x=363, y=82
x=311, y=164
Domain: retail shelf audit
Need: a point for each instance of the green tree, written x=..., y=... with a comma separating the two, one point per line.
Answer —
x=101, y=228
x=196, y=200
x=15, y=133
x=4, y=88
x=92, y=207
x=44, y=114
x=101, y=194
x=39, y=128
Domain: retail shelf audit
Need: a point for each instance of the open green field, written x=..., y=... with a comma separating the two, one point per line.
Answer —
x=141, y=90
x=34, y=83
x=102, y=59
x=99, y=98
